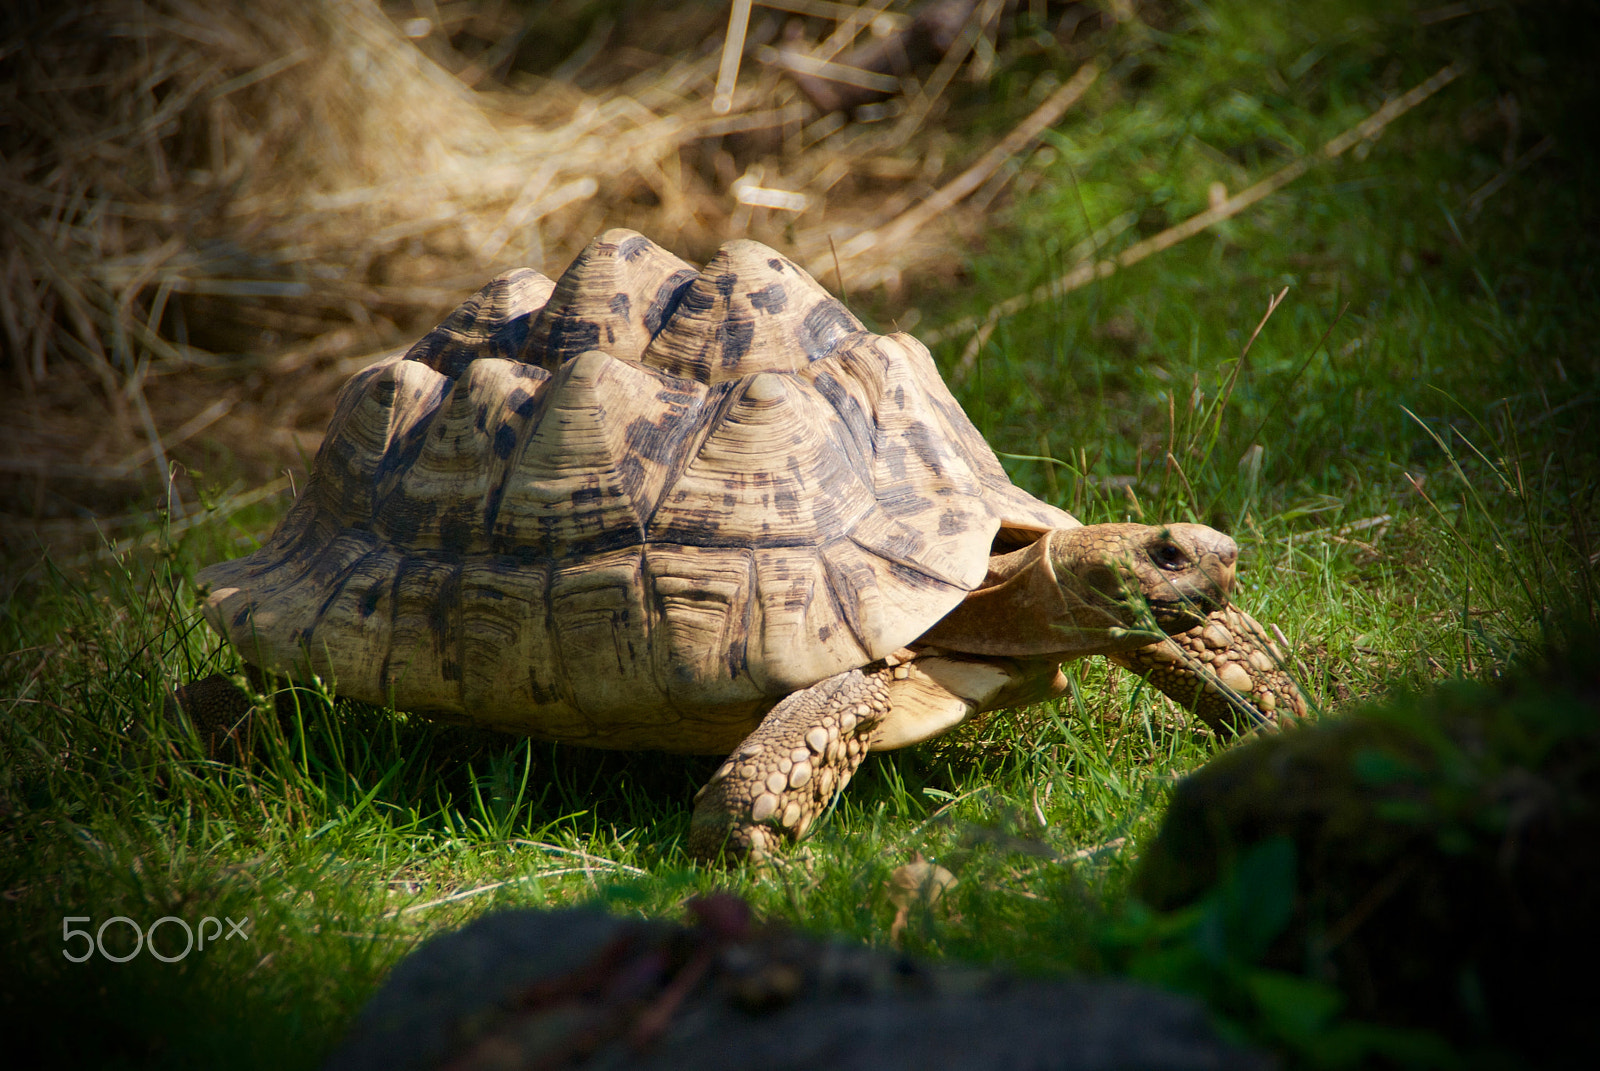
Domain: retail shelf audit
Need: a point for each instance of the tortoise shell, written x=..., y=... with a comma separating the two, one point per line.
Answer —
x=632, y=508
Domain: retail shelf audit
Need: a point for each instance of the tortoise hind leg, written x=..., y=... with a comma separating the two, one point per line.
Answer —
x=1224, y=670
x=785, y=773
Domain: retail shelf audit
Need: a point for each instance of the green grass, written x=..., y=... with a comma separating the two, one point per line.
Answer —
x=1430, y=365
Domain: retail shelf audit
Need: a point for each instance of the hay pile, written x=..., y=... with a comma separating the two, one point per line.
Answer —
x=214, y=212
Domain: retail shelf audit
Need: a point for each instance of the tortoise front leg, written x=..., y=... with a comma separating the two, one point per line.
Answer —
x=784, y=775
x=1224, y=670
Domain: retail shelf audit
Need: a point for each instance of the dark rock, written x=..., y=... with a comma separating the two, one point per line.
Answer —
x=579, y=988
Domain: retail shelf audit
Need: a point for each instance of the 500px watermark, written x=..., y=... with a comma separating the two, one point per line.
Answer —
x=145, y=940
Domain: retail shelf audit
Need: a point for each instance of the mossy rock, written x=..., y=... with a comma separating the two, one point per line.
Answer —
x=1446, y=858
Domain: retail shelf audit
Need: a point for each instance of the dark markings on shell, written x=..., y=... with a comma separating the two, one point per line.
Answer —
x=844, y=591
x=902, y=544
x=770, y=299
x=457, y=528
x=619, y=305
x=301, y=540
x=912, y=577
x=619, y=538
x=824, y=327
x=666, y=299
x=633, y=248
x=734, y=338
x=400, y=517
x=739, y=646
x=402, y=453
x=505, y=440
x=631, y=469
x=369, y=599
x=952, y=523
x=335, y=587
x=524, y=370
x=530, y=409
x=494, y=322
x=570, y=335
x=444, y=612
x=509, y=340
x=860, y=425
x=348, y=499
x=920, y=439
x=726, y=282
x=695, y=301
x=658, y=440
x=491, y=505
x=891, y=457
x=385, y=684
x=775, y=263
x=690, y=436
x=449, y=358
x=542, y=694
x=677, y=390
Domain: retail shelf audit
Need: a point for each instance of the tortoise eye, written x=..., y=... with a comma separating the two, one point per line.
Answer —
x=1169, y=557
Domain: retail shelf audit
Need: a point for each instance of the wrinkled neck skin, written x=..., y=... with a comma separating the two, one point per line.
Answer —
x=1081, y=591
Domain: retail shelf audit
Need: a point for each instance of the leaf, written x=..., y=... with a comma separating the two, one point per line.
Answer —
x=1296, y=1008
x=1256, y=900
x=1375, y=766
x=1355, y=1045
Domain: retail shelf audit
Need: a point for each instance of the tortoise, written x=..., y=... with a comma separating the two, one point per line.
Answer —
x=649, y=507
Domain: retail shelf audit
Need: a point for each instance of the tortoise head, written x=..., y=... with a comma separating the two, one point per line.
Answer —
x=1092, y=589
x=1180, y=571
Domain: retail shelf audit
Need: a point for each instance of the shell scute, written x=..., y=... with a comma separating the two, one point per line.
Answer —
x=735, y=319
x=601, y=629
x=580, y=480
x=494, y=322
x=275, y=614
x=704, y=605
x=378, y=428
x=508, y=661
x=616, y=296
x=764, y=476
x=803, y=631
x=423, y=663
x=354, y=628
x=445, y=494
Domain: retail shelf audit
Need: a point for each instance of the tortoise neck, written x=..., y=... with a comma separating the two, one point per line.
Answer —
x=1028, y=608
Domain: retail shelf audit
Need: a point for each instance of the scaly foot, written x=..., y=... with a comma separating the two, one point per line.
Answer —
x=785, y=774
